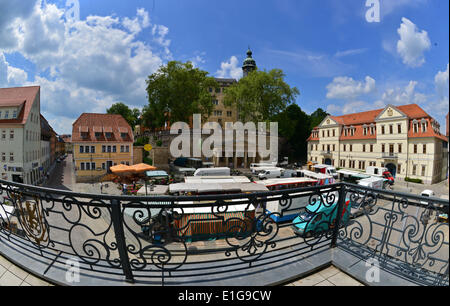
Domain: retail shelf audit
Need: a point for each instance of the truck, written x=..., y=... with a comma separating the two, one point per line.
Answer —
x=374, y=182
x=382, y=172
x=223, y=171
x=326, y=169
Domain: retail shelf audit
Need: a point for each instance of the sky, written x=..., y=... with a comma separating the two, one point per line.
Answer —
x=344, y=56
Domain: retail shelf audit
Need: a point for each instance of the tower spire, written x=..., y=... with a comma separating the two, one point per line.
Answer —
x=249, y=63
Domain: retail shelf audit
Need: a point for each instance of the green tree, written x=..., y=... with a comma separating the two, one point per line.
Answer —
x=176, y=92
x=260, y=95
x=317, y=117
x=131, y=116
x=294, y=127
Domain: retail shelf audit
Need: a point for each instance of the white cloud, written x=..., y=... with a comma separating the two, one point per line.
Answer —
x=347, y=88
x=350, y=52
x=441, y=82
x=9, y=13
x=353, y=107
x=9, y=75
x=92, y=63
x=230, y=69
x=403, y=96
x=412, y=44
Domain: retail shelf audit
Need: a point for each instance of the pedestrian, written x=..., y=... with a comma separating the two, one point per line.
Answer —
x=101, y=188
x=124, y=188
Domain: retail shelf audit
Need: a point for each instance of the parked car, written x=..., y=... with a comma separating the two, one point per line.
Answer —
x=319, y=218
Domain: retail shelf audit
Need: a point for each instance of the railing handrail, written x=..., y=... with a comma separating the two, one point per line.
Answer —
x=168, y=198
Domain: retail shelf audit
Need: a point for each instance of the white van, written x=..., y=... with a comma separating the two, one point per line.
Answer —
x=376, y=170
x=271, y=173
x=255, y=167
x=224, y=171
x=374, y=182
x=326, y=169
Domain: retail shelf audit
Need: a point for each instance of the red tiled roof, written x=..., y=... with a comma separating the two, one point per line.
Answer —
x=357, y=120
x=15, y=97
x=114, y=124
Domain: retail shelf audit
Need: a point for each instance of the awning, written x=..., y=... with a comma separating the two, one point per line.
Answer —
x=154, y=174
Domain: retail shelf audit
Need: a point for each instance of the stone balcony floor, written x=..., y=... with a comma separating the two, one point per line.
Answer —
x=11, y=275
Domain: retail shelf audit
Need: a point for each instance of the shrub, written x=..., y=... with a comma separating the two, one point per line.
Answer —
x=413, y=180
x=148, y=161
x=159, y=143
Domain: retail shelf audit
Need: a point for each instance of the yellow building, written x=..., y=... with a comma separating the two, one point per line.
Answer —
x=99, y=142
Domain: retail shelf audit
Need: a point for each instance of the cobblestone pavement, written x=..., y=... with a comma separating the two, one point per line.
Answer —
x=441, y=189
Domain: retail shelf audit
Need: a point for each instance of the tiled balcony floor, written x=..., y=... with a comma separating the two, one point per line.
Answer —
x=12, y=275
x=330, y=276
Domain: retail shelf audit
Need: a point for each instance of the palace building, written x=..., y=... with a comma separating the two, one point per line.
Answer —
x=100, y=141
x=404, y=139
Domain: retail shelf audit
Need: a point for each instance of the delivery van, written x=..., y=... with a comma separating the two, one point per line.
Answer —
x=223, y=171
x=270, y=173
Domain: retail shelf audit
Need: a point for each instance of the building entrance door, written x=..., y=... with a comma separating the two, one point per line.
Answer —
x=392, y=169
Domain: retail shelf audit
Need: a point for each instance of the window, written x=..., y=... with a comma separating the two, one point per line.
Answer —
x=415, y=149
x=399, y=168
x=328, y=133
x=103, y=149
x=218, y=90
x=86, y=149
x=103, y=166
x=399, y=128
x=415, y=127
x=345, y=147
x=383, y=148
x=109, y=149
x=364, y=148
x=351, y=148
x=423, y=170
x=399, y=148
x=6, y=114
x=11, y=134
x=114, y=149
x=229, y=113
x=371, y=148
x=382, y=129
x=108, y=135
x=123, y=135
x=3, y=135
x=334, y=133
x=82, y=166
x=127, y=149
x=92, y=166
x=3, y=157
x=122, y=149
x=14, y=114
x=81, y=149
x=391, y=129
x=414, y=169
x=210, y=89
x=424, y=149
x=216, y=102
x=92, y=149
x=334, y=147
x=88, y=166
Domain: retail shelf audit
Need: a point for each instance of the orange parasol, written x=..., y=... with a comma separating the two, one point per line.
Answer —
x=120, y=169
x=140, y=168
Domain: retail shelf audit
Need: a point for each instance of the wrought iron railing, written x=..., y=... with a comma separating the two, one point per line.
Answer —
x=174, y=240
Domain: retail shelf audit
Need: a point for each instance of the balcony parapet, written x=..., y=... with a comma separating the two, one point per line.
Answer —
x=118, y=240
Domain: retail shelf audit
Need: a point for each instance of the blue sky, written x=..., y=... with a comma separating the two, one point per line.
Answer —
x=336, y=58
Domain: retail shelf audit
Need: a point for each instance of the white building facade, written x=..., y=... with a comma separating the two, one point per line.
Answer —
x=20, y=134
x=404, y=139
